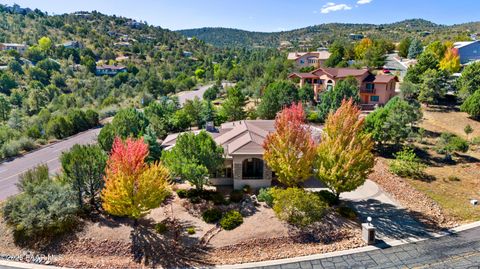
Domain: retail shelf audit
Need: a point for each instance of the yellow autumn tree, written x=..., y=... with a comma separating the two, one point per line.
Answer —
x=361, y=48
x=344, y=155
x=290, y=150
x=451, y=61
x=132, y=187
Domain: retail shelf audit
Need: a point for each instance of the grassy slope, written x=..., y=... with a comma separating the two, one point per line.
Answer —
x=454, y=184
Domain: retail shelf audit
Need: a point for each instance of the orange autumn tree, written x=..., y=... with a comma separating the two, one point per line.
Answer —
x=344, y=155
x=290, y=150
x=451, y=61
x=133, y=187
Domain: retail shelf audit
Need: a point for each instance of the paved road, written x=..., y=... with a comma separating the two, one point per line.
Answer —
x=461, y=250
x=190, y=95
x=10, y=171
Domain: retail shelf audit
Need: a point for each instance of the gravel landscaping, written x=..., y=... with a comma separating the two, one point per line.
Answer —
x=114, y=243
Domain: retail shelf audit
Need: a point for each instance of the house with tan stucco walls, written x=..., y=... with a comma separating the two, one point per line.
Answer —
x=242, y=142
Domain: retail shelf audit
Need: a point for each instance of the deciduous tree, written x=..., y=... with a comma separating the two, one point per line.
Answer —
x=344, y=155
x=290, y=150
x=132, y=187
x=451, y=61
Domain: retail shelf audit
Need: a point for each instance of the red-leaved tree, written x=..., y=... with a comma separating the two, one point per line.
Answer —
x=290, y=150
x=133, y=187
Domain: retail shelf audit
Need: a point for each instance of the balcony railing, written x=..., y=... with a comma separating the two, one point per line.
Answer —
x=365, y=90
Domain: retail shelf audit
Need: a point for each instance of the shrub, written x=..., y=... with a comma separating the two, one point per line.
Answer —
x=453, y=178
x=407, y=164
x=26, y=143
x=216, y=197
x=212, y=215
x=44, y=208
x=328, y=197
x=231, y=220
x=161, y=227
x=236, y=196
x=182, y=193
x=297, y=207
x=476, y=140
x=449, y=143
x=10, y=149
x=191, y=230
x=264, y=195
x=347, y=212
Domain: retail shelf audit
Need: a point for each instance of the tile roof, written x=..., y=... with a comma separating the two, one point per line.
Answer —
x=241, y=137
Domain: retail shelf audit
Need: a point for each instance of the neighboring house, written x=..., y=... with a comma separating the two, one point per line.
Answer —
x=355, y=36
x=122, y=44
x=72, y=45
x=187, y=54
x=242, y=142
x=468, y=51
x=20, y=48
x=374, y=89
x=304, y=59
x=109, y=70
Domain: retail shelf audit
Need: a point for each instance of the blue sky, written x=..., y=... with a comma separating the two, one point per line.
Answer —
x=267, y=15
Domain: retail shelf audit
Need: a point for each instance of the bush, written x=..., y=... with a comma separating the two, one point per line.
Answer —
x=212, y=215
x=247, y=189
x=191, y=230
x=231, y=220
x=347, y=212
x=44, y=208
x=264, y=195
x=161, y=227
x=453, y=178
x=26, y=143
x=328, y=197
x=217, y=198
x=182, y=193
x=297, y=207
x=407, y=164
x=10, y=149
x=476, y=140
x=236, y=196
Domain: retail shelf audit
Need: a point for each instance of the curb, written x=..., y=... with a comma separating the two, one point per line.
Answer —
x=391, y=243
x=22, y=265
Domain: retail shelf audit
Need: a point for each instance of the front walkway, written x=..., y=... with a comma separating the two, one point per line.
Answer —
x=459, y=250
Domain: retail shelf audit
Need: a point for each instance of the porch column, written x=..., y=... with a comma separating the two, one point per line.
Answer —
x=267, y=172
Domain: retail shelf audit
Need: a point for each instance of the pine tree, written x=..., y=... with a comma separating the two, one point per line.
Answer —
x=290, y=150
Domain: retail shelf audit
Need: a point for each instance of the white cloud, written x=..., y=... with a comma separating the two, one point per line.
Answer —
x=363, y=2
x=330, y=7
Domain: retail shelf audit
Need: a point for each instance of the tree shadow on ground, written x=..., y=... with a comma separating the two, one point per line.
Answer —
x=392, y=222
x=329, y=230
x=175, y=249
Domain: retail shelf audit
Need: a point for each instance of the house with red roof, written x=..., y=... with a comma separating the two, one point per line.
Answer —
x=374, y=89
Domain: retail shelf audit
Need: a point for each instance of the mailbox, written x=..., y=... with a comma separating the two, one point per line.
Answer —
x=368, y=233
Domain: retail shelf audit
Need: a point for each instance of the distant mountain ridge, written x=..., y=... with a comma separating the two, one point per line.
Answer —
x=326, y=33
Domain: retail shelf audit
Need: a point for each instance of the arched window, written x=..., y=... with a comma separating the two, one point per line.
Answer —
x=329, y=84
x=252, y=168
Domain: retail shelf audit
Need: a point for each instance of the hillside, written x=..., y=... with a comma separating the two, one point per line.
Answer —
x=323, y=34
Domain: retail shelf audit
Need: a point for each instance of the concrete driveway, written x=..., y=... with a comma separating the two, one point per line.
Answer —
x=11, y=170
x=391, y=220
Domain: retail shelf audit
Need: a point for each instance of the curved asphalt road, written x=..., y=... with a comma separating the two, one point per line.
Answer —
x=10, y=170
x=458, y=250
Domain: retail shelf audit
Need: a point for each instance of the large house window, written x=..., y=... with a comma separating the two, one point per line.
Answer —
x=370, y=86
x=374, y=98
x=252, y=168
